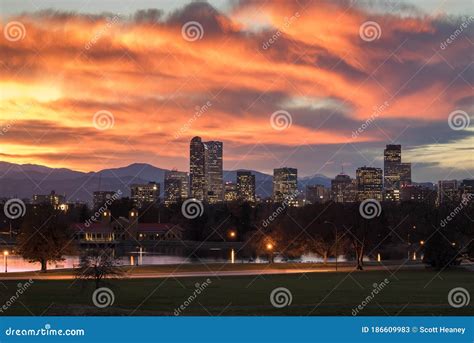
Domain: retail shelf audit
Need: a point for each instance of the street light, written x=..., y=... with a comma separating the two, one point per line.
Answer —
x=270, y=252
x=5, y=260
x=335, y=229
x=232, y=234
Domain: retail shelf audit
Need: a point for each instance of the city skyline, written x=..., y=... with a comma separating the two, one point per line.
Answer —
x=339, y=103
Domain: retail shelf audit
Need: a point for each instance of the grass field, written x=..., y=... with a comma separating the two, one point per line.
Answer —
x=407, y=293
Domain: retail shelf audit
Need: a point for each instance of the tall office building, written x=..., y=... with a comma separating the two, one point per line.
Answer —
x=316, y=194
x=197, y=169
x=405, y=174
x=230, y=192
x=206, y=170
x=392, y=157
x=369, y=183
x=246, y=186
x=214, y=172
x=285, y=185
x=176, y=187
x=145, y=194
x=343, y=189
x=53, y=199
x=100, y=197
x=448, y=191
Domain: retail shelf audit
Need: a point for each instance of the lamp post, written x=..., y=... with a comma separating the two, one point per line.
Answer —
x=270, y=252
x=5, y=260
x=335, y=229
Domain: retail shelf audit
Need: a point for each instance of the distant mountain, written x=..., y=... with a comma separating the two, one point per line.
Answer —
x=24, y=180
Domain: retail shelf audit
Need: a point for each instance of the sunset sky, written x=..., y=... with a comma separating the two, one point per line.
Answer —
x=70, y=65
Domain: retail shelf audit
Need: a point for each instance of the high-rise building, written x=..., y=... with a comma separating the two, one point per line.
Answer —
x=53, y=199
x=285, y=185
x=405, y=174
x=246, y=186
x=145, y=194
x=448, y=191
x=214, y=172
x=100, y=197
x=197, y=169
x=391, y=164
x=467, y=186
x=343, y=189
x=316, y=194
x=230, y=192
x=369, y=183
x=176, y=187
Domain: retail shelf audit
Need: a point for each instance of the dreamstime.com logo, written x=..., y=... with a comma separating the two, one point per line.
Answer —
x=46, y=331
x=192, y=31
x=199, y=288
x=103, y=120
x=281, y=297
x=103, y=297
x=22, y=287
x=14, y=209
x=377, y=287
x=465, y=200
x=192, y=208
x=370, y=208
x=459, y=297
x=14, y=31
x=459, y=120
x=281, y=120
x=200, y=110
x=370, y=31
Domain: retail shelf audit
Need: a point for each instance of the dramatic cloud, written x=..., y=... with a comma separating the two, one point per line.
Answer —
x=92, y=91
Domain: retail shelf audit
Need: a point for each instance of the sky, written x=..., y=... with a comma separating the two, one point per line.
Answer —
x=315, y=85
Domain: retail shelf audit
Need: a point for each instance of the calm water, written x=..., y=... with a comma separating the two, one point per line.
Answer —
x=162, y=255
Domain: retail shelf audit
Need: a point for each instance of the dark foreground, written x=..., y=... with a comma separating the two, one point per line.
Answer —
x=416, y=292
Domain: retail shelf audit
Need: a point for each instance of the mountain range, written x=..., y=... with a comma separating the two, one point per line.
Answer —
x=25, y=180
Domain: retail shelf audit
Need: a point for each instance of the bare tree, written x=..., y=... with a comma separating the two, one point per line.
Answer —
x=98, y=264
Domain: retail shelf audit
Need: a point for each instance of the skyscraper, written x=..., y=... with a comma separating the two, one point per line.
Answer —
x=230, y=192
x=391, y=165
x=197, y=169
x=206, y=170
x=214, y=172
x=369, y=183
x=316, y=194
x=145, y=194
x=176, y=187
x=343, y=189
x=285, y=185
x=448, y=190
x=246, y=186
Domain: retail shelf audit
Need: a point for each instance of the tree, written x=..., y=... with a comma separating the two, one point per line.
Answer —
x=44, y=236
x=98, y=264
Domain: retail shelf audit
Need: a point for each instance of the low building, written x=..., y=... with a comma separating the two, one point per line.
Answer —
x=145, y=194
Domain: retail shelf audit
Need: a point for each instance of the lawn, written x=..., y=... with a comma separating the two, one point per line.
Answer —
x=312, y=294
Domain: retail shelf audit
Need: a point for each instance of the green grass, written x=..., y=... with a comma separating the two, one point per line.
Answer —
x=313, y=294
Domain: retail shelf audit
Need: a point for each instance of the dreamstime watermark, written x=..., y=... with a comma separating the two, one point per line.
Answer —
x=199, y=288
x=281, y=297
x=444, y=44
x=200, y=110
x=375, y=114
x=21, y=289
x=98, y=34
x=370, y=208
x=103, y=120
x=377, y=287
x=370, y=31
x=14, y=31
x=466, y=198
x=286, y=24
x=289, y=199
x=103, y=297
x=281, y=120
x=46, y=331
x=459, y=297
x=103, y=208
x=14, y=208
x=192, y=208
x=458, y=120
x=192, y=31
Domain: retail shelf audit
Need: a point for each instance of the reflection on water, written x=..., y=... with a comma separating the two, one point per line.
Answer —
x=161, y=255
